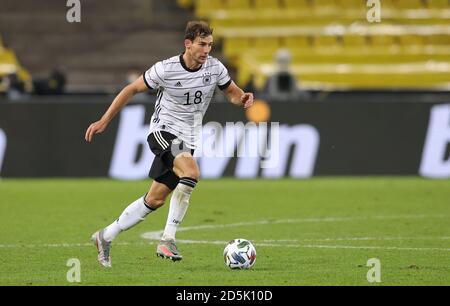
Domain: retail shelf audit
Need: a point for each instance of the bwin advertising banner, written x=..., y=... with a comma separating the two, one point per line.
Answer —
x=299, y=140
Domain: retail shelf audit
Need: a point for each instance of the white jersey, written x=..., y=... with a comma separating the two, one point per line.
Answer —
x=184, y=95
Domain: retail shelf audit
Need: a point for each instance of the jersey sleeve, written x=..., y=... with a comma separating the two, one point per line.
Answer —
x=154, y=77
x=223, y=80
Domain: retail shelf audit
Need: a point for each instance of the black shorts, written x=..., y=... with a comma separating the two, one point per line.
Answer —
x=166, y=147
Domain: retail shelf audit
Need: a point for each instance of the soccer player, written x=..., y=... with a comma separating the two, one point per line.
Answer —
x=185, y=85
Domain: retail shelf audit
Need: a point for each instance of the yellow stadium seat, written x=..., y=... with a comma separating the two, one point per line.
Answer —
x=354, y=40
x=233, y=47
x=296, y=4
x=294, y=42
x=8, y=57
x=348, y=4
x=2, y=46
x=205, y=8
x=185, y=3
x=325, y=3
x=437, y=39
x=409, y=4
x=267, y=43
x=238, y=4
x=411, y=40
x=8, y=62
x=438, y=4
x=382, y=40
x=323, y=40
x=266, y=4
x=352, y=4
x=331, y=41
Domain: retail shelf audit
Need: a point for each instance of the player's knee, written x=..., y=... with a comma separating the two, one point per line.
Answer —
x=192, y=173
x=154, y=202
x=157, y=203
x=186, y=167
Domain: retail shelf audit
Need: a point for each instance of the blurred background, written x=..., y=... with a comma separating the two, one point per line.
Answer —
x=365, y=76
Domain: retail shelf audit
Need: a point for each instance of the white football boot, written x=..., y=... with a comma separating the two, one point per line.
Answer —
x=103, y=248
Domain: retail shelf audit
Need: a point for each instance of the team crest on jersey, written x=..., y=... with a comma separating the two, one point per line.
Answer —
x=207, y=79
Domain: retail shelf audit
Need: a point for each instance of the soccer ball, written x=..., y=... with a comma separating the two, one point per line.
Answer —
x=239, y=254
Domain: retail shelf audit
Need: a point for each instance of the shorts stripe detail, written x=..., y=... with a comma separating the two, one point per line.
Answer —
x=162, y=139
x=159, y=141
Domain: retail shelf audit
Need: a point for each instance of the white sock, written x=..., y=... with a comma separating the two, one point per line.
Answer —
x=179, y=203
x=111, y=231
x=132, y=215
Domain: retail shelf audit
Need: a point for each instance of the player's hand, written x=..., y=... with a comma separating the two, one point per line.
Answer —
x=95, y=128
x=247, y=99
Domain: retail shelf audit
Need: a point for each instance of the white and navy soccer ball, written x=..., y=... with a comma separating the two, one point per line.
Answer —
x=239, y=254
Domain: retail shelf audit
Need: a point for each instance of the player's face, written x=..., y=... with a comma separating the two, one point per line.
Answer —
x=199, y=49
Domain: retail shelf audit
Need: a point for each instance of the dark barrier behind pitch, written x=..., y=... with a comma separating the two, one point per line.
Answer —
x=354, y=138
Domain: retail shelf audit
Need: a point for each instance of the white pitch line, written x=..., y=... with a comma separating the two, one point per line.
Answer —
x=314, y=246
x=218, y=242
x=372, y=248
x=369, y=239
x=259, y=242
x=156, y=235
x=62, y=245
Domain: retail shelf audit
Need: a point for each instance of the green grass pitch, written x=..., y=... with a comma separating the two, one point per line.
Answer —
x=306, y=232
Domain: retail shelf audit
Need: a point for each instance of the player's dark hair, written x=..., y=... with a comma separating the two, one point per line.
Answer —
x=197, y=28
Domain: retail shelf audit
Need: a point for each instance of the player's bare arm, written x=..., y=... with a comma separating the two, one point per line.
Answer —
x=119, y=102
x=238, y=97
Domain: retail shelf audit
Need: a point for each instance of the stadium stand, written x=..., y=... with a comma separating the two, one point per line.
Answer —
x=410, y=48
x=112, y=38
x=332, y=44
x=10, y=66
